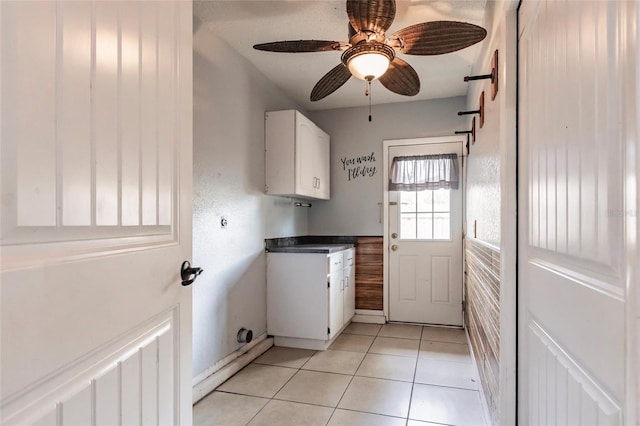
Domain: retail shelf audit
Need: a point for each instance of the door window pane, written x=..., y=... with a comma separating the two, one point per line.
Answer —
x=441, y=226
x=441, y=200
x=425, y=215
x=425, y=226
x=407, y=202
x=408, y=227
x=425, y=201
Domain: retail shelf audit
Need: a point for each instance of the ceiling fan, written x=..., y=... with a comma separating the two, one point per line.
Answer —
x=371, y=55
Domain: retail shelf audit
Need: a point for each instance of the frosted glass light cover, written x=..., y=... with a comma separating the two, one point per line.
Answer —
x=368, y=64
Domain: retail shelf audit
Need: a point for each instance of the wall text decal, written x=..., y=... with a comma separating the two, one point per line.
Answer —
x=359, y=166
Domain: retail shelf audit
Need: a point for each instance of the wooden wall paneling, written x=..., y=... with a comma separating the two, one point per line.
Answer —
x=369, y=275
x=482, y=317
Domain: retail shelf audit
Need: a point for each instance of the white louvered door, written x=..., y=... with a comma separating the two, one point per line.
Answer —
x=577, y=141
x=96, y=139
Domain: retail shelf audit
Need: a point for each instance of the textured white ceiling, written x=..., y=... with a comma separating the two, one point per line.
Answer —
x=245, y=23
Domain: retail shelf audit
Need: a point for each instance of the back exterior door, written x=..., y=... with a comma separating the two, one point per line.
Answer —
x=96, y=212
x=425, y=247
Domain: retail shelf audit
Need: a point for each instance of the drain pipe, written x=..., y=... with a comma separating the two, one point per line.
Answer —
x=244, y=335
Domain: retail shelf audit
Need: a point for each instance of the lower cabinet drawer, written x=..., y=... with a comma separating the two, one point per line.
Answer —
x=348, y=257
x=335, y=262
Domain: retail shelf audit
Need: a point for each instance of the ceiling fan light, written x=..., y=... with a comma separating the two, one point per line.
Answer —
x=368, y=66
x=368, y=61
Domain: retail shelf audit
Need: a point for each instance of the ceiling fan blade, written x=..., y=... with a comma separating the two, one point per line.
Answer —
x=401, y=78
x=300, y=46
x=374, y=15
x=330, y=82
x=436, y=38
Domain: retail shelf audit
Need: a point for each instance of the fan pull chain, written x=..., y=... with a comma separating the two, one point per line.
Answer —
x=368, y=93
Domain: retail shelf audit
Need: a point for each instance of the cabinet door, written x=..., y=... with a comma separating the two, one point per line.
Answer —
x=322, y=161
x=336, y=303
x=349, y=294
x=306, y=156
x=297, y=301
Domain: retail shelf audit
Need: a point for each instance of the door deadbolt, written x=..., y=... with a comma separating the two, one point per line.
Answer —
x=394, y=235
x=394, y=247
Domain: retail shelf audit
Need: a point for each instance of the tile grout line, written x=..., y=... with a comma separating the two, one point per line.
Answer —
x=375, y=414
x=316, y=405
x=467, y=344
x=353, y=376
x=281, y=387
x=300, y=369
x=415, y=370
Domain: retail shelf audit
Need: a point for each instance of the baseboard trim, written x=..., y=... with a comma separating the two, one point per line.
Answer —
x=369, y=316
x=294, y=342
x=208, y=381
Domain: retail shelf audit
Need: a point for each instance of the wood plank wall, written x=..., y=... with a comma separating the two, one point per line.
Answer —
x=482, y=316
x=369, y=273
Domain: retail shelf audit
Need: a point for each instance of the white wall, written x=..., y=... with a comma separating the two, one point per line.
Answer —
x=483, y=172
x=230, y=98
x=491, y=179
x=354, y=207
x=483, y=178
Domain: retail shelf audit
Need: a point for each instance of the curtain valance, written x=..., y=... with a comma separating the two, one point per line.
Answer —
x=422, y=172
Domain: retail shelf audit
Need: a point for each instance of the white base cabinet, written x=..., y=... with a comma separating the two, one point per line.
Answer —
x=310, y=297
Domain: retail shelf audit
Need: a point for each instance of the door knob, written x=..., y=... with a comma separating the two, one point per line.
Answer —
x=394, y=247
x=189, y=274
x=394, y=235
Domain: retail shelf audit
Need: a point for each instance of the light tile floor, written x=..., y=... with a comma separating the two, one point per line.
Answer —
x=371, y=375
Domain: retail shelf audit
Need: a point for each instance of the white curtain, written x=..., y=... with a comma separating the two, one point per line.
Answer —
x=422, y=172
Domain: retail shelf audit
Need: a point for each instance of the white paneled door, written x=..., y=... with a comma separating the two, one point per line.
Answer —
x=424, y=244
x=578, y=101
x=96, y=212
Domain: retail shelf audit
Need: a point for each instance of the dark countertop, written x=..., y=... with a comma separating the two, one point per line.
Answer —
x=309, y=244
x=310, y=248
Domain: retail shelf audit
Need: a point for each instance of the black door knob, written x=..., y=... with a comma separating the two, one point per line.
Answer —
x=189, y=274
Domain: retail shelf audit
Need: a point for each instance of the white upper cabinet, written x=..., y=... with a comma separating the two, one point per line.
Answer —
x=297, y=156
x=323, y=168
